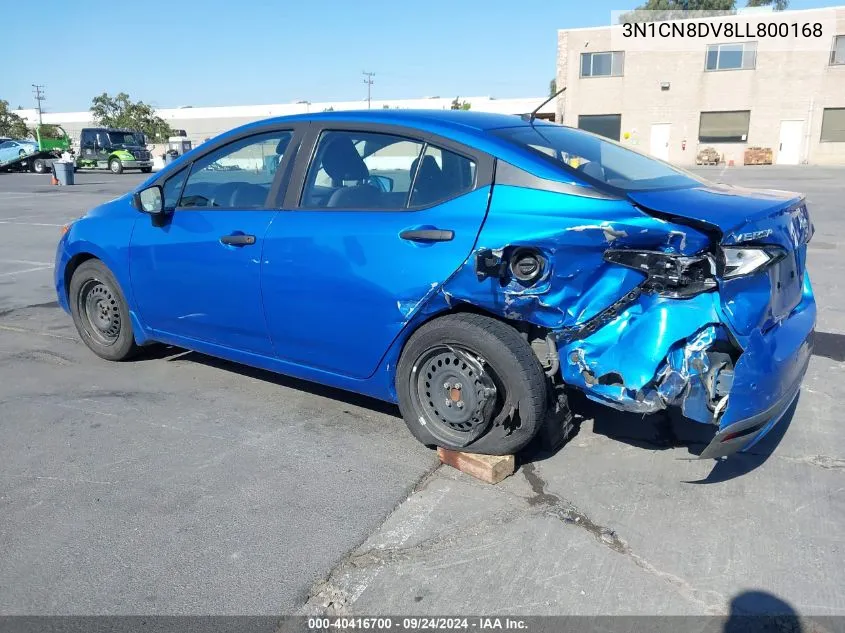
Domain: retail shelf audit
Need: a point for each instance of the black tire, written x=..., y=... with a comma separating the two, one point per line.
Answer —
x=146, y=170
x=100, y=313
x=115, y=166
x=483, y=349
x=39, y=166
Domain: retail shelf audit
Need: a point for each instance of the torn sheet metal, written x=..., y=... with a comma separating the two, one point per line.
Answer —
x=730, y=353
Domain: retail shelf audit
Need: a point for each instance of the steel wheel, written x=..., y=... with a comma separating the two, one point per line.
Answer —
x=100, y=310
x=454, y=393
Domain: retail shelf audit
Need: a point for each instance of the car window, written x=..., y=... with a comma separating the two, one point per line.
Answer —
x=441, y=175
x=6, y=145
x=597, y=159
x=361, y=170
x=238, y=175
x=173, y=188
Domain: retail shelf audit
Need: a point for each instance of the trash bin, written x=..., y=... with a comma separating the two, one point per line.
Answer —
x=63, y=171
x=170, y=156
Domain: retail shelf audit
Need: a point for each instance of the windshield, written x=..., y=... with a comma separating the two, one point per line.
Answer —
x=598, y=160
x=124, y=138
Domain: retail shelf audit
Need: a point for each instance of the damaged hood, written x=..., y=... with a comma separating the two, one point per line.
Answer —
x=724, y=207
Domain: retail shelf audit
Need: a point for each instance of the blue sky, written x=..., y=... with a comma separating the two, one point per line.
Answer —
x=226, y=52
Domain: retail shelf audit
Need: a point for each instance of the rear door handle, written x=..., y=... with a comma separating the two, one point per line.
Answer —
x=427, y=235
x=238, y=239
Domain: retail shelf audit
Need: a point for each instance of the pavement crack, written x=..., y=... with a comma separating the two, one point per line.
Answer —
x=822, y=461
x=711, y=602
x=568, y=513
x=326, y=596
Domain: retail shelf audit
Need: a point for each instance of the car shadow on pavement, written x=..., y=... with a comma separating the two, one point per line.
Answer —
x=758, y=611
x=830, y=345
x=173, y=354
x=662, y=431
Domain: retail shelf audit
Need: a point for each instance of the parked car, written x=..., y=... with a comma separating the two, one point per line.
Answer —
x=15, y=149
x=467, y=266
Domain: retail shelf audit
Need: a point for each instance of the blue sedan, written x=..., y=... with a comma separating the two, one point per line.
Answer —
x=13, y=150
x=466, y=266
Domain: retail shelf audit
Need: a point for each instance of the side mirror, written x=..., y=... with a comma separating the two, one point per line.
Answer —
x=150, y=200
x=382, y=183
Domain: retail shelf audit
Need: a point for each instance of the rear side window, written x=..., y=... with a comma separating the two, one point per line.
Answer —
x=237, y=175
x=361, y=170
x=373, y=171
x=596, y=160
x=441, y=175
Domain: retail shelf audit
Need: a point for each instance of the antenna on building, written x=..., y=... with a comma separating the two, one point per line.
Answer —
x=38, y=89
x=533, y=115
x=369, y=82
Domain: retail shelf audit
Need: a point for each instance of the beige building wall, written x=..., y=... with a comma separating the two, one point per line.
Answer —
x=794, y=84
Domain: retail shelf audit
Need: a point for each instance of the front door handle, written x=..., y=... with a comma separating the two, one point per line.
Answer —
x=238, y=239
x=427, y=235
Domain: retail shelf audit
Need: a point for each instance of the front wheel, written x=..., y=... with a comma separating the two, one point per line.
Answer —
x=115, y=166
x=99, y=311
x=471, y=383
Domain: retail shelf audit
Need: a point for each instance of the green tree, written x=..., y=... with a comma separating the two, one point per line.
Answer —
x=457, y=104
x=675, y=9
x=777, y=5
x=121, y=111
x=11, y=124
x=552, y=87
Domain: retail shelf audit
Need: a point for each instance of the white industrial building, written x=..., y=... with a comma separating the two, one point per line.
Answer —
x=202, y=123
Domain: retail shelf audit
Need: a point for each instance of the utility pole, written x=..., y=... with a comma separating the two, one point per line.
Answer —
x=369, y=82
x=38, y=89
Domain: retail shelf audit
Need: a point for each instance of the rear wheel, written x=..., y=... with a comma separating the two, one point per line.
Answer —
x=472, y=383
x=115, y=166
x=100, y=312
x=39, y=166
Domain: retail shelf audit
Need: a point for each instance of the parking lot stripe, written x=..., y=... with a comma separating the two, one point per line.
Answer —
x=24, y=261
x=21, y=330
x=30, y=223
x=26, y=270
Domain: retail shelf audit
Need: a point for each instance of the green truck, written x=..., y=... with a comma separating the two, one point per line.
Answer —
x=114, y=149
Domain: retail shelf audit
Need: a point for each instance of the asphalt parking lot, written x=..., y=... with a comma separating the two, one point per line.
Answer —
x=179, y=484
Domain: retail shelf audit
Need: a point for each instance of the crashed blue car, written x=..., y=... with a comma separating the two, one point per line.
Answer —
x=470, y=267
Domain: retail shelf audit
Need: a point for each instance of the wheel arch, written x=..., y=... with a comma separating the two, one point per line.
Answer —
x=433, y=310
x=88, y=254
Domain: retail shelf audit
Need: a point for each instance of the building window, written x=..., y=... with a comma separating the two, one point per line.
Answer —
x=837, y=54
x=724, y=127
x=833, y=125
x=607, y=64
x=607, y=125
x=731, y=56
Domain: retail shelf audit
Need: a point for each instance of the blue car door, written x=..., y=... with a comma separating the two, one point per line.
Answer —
x=197, y=276
x=381, y=219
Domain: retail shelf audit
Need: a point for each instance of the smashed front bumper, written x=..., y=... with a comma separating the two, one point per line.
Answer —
x=663, y=352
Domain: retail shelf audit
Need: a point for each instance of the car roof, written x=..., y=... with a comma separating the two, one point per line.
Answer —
x=462, y=126
x=463, y=120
